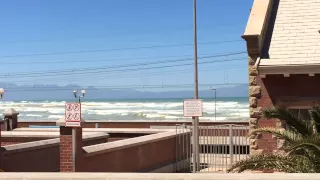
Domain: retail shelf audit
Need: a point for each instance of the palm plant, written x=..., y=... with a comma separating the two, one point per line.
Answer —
x=302, y=144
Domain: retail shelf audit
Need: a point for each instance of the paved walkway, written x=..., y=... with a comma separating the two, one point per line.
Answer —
x=154, y=176
x=218, y=162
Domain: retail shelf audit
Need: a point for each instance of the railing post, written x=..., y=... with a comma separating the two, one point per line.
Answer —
x=231, y=143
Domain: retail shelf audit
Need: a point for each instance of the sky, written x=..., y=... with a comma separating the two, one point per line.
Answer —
x=122, y=43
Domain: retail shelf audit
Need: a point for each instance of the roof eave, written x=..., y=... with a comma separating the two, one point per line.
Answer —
x=257, y=25
x=287, y=69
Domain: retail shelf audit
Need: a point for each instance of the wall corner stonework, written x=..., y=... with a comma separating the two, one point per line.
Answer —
x=254, y=35
x=253, y=102
x=252, y=80
x=254, y=91
x=254, y=94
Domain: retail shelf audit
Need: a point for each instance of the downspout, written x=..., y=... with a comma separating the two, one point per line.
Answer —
x=256, y=64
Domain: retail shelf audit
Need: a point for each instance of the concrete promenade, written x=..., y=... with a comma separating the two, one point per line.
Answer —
x=154, y=176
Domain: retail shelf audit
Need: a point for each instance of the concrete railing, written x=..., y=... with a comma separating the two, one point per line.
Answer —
x=128, y=123
x=107, y=130
x=148, y=176
x=17, y=136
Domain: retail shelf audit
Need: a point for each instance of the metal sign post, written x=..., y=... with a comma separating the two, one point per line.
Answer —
x=73, y=119
x=194, y=108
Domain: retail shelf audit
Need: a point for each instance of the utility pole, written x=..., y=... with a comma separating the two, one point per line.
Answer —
x=195, y=122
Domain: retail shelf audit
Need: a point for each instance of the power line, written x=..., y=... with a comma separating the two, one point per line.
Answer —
x=75, y=70
x=104, y=60
x=79, y=61
x=106, y=77
x=121, y=70
x=115, y=49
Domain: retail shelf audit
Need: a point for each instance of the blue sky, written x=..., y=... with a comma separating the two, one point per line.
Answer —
x=43, y=26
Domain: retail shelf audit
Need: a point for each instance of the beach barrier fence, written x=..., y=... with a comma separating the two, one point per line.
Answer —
x=220, y=146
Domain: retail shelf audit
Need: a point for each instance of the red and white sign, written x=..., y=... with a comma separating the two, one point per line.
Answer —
x=192, y=108
x=73, y=115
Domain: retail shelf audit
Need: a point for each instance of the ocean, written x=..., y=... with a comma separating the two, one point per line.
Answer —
x=228, y=109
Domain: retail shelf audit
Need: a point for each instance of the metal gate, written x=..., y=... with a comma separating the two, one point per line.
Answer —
x=219, y=147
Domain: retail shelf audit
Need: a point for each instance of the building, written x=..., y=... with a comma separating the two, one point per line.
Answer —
x=283, y=44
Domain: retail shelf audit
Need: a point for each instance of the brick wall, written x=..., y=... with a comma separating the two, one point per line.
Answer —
x=44, y=158
x=275, y=89
x=140, y=158
x=296, y=85
x=66, y=162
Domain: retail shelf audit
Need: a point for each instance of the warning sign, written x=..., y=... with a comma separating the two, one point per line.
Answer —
x=73, y=114
x=192, y=108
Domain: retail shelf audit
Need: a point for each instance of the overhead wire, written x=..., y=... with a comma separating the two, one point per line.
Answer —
x=122, y=70
x=114, y=49
x=101, y=60
x=81, y=70
x=111, y=76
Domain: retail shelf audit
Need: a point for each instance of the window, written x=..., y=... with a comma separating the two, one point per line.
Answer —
x=302, y=113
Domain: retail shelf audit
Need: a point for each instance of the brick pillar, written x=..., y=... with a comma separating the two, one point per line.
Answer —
x=1, y=122
x=67, y=156
x=11, y=119
x=1, y=125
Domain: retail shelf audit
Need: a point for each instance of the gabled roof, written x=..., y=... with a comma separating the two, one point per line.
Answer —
x=291, y=43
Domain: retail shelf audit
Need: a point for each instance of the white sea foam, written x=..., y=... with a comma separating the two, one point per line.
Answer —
x=56, y=110
x=33, y=115
x=33, y=109
x=57, y=117
x=133, y=110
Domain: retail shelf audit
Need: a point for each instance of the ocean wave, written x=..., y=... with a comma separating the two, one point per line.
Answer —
x=134, y=110
x=56, y=111
x=57, y=117
x=32, y=109
x=33, y=115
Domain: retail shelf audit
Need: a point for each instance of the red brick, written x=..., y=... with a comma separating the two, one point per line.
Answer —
x=136, y=158
x=275, y=87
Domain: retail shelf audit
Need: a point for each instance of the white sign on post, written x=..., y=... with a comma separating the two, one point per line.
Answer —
x=73, y=115
x=192, y=108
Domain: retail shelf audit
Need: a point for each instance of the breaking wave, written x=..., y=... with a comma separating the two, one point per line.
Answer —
x=226, y=109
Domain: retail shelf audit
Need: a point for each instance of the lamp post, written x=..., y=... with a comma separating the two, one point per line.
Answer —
x=215, y=103
x=75, y=93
